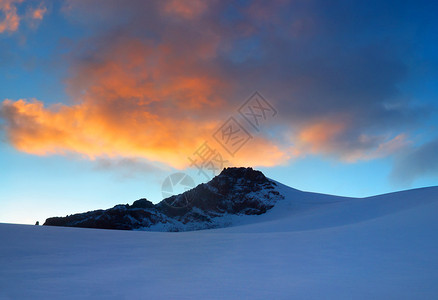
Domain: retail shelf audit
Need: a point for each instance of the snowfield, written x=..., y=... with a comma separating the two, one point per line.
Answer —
x=309, y=246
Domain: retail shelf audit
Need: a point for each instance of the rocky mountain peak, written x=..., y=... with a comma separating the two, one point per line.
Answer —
x=242, y=173
x=235, y=191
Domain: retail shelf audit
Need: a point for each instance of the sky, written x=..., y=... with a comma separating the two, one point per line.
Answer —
x=101, y=101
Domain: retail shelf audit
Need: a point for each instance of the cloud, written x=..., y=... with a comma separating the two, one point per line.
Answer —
x=39, y=12
x=10, y=20
x=127, y=168
x=335, y=138
x=420, y=161
x=320, y=135
x=155, y=79
x=113, y=129
x=187, y=9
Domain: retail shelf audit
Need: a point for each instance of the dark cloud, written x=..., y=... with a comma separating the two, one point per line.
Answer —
x=419, y=162
x=127, y=168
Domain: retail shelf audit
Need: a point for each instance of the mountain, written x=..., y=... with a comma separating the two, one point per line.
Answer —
x=307, y=246
x=234, y=192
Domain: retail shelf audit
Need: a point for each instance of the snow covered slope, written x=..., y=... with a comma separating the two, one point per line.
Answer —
x=308, y=246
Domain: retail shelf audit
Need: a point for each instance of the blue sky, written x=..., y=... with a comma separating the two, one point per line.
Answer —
x=101, y=100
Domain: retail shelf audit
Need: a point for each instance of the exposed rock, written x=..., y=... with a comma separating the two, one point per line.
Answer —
x=235, y=191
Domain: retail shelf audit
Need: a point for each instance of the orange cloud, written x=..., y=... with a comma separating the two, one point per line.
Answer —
x=187, y=9
x=262, y=152
x=384, y=148
x=11, y=20
x=85, y=129
x=144, y=73
x=38, y=13
x=332, y=137
x=135, y=100
x=320, y=135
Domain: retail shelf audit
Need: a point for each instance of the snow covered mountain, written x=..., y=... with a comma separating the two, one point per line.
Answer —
x=307, y=246
x=234, y=192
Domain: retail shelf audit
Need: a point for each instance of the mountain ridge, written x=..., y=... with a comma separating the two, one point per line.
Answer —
x=234, y=192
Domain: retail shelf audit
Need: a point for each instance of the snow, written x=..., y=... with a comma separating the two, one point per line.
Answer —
x=309, y=246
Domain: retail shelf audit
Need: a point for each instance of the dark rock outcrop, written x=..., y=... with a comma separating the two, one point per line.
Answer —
x=235, y=191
